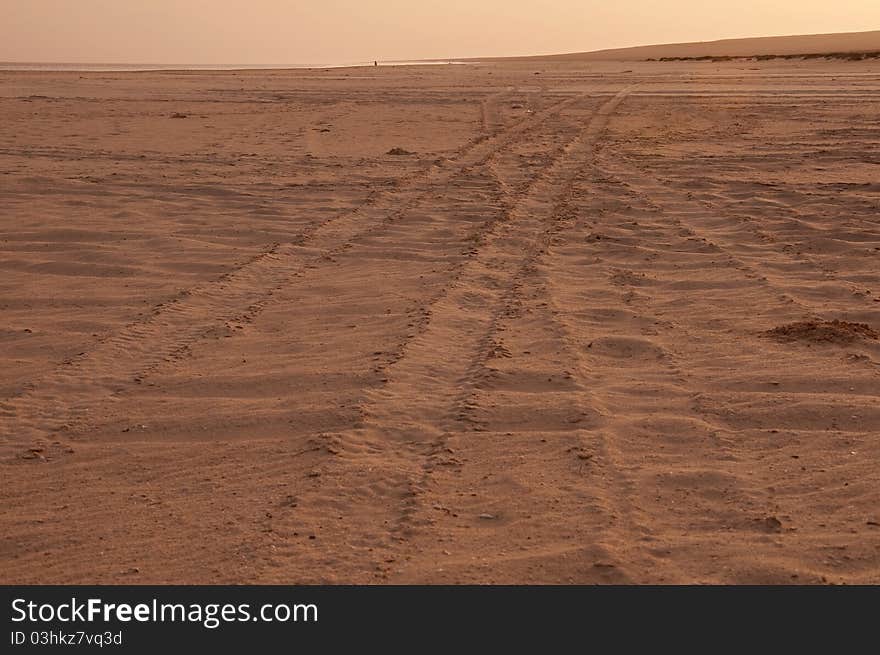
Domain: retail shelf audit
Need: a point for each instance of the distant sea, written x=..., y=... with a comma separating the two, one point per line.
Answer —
x=111, y=68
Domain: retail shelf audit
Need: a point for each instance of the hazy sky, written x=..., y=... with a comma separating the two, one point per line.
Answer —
x=347, y=31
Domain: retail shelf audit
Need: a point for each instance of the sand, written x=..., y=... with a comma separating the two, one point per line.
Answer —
x=806, y=44
x=523, y=322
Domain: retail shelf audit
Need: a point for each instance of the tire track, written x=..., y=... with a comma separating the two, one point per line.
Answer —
x=387, y=462
x=490, y=121
x=645, y=190
x=61, y=401
x=753, y=245
x=632, y=537
x=614, y=522
x=674, y=457
x=464, y=316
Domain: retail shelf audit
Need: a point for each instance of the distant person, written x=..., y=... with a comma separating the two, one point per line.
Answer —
x=375, y=63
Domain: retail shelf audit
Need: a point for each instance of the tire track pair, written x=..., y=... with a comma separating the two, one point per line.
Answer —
x=388, y=460
x=60, y=402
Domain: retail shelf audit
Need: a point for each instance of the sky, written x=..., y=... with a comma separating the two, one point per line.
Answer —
x=324, y=32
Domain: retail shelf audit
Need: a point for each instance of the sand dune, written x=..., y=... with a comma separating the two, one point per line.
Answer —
x=749, y=47
x=441, y=324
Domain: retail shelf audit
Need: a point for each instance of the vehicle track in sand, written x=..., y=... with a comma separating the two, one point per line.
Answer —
x=63, y=400
x=799, y=278
x=697, y=470
x=389, y=460
x=544, y=360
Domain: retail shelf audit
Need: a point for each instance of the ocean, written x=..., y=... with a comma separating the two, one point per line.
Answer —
x=114, y=68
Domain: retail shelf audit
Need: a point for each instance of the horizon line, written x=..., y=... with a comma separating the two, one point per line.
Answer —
x=462, y=59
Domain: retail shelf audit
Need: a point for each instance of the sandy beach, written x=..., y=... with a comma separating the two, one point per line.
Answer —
x=539, y=321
